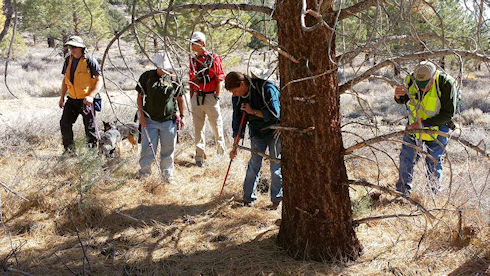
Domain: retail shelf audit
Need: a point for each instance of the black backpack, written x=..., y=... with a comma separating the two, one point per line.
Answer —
x=202, y=69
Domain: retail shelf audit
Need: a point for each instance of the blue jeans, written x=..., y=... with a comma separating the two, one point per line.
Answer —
x=409, y=157
x=252, y=176
x=166, y=132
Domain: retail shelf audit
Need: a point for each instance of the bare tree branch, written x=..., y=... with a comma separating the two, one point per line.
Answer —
x=13, y=192
x=357, y=222
x=356, y=8
x=260, y=36
x=272, y=159
x=245, y=7
x=14, y=270
x=385, y=79
x=415, y=56
x=8, y=17
x=285, y=128
x=9, y=53
x=385, y=137
x=399, y=39
x=91, y=17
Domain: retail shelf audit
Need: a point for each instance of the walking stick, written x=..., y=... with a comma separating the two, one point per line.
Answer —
x=235, y=143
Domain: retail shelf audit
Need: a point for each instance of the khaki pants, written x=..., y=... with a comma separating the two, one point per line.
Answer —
x=211, y=108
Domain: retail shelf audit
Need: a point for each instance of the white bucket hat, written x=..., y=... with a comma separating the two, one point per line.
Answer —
x=162, y=60
x=75, y=41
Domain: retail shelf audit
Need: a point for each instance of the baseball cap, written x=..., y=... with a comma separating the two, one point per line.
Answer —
x=423, y=73
x=162, y=60
x=198, y=36
x=75, y=41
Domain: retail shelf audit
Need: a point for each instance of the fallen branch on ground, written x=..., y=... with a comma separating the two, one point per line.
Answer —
x=392, y=192
x=13, y=192
x=357, y=222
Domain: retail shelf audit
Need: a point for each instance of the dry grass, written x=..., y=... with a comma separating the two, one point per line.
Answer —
x=134, y=227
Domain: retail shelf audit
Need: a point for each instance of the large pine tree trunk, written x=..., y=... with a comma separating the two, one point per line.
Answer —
x=317, y=216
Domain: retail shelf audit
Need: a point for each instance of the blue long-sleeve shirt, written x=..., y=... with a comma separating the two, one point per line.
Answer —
x=263, y=96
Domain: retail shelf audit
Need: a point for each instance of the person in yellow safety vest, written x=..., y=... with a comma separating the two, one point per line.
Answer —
x=431, y=97
x=82, y=81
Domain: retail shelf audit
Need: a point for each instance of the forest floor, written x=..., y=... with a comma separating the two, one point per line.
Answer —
x=91, y=215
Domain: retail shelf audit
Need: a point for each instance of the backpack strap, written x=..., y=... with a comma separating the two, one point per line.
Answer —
x=207, y=64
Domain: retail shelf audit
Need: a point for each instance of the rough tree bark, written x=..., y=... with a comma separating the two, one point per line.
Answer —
x=317, y=216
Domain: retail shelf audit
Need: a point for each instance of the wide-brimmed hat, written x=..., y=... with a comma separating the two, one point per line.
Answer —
x=162, y=60
x=75, y=41
x=423, y=73
x=198, y=36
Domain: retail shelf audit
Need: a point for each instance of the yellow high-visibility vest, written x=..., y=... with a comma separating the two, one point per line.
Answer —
x=424, y=106
x=83, y=82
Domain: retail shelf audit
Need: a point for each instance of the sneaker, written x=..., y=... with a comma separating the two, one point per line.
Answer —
x=168, y=181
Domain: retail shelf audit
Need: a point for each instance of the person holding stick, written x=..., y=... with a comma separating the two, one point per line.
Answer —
x=258, y=101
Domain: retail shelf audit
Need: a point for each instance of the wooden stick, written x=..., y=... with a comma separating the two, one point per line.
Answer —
x=272, y=159
x=285, y=128
x=13, y=192
x=357, y=222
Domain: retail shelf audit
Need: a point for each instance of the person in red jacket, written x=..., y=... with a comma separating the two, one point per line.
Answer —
x=205, y=77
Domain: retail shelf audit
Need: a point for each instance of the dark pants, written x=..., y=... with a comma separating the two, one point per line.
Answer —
x=73, y=108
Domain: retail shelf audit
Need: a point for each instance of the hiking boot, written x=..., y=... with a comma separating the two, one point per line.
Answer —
x=242, y=203
x=273, y=206
x=248, y=203
x=142, y=176
x=69, y=153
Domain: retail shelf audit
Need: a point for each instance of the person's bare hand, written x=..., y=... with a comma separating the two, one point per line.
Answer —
x=182, y=123
x=232, y=153
x=416, y=125
x=88, y=100
x=400, y=91
x=61, y=103
x=247, y=108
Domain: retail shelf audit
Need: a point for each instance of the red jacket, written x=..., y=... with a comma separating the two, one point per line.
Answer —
x=207, y=64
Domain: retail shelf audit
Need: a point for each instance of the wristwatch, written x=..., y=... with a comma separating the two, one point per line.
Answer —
x=181, y=115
